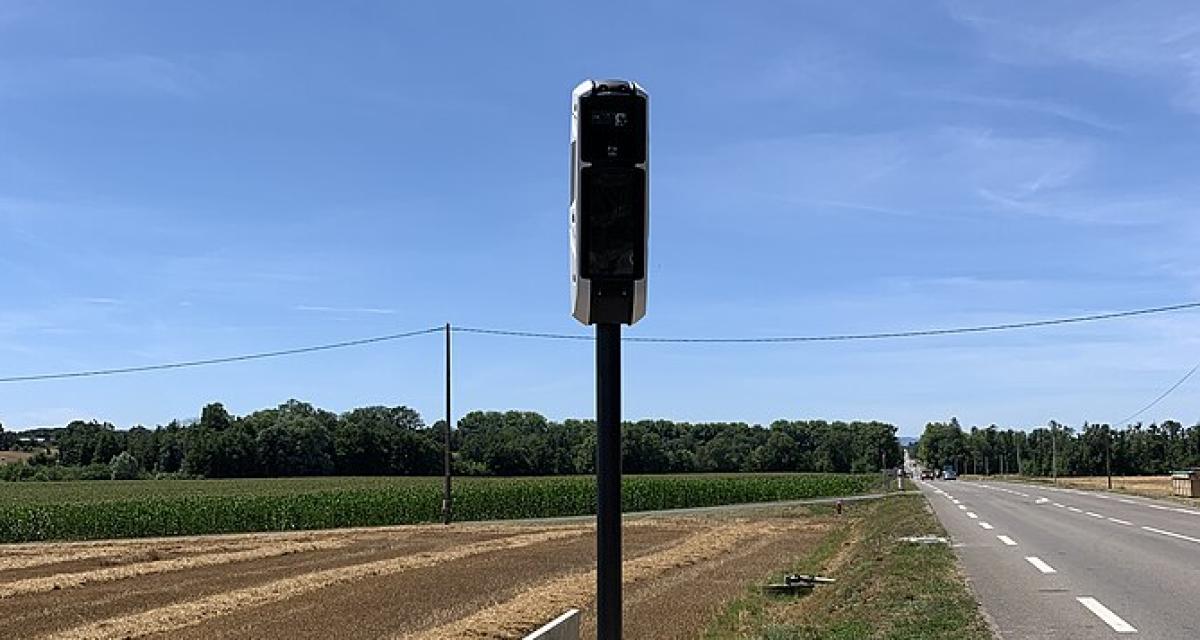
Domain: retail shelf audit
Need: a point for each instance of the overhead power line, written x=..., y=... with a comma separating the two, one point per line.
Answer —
x=208, y=361
x=578, y=336
x=1161, y=396
x=850, y=336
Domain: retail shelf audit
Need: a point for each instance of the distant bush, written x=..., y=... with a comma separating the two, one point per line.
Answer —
x=42, y=459
x=16, y=471
x=94, y=471
x=124, y=467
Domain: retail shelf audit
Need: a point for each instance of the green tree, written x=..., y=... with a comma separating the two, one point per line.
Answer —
x=214, y=416
x=125, y=467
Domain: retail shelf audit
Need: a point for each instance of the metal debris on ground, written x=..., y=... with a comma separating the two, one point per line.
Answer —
x=794, y=584
x=928, y=539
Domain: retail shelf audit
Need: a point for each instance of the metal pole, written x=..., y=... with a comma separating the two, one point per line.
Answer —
x=608, y=481
x=1018, y=456
x=1108, y=457
x=446, y=505
x=883, y=469
x=1054, y=452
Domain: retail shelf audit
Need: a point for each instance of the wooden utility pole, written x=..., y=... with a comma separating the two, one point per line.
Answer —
x=1108, y=455
x=446, y=505
x=1054, y=451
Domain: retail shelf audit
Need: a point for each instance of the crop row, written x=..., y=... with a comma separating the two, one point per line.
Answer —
x=409, y=502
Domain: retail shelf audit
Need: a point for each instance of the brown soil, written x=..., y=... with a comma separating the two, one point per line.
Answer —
x=463, y=581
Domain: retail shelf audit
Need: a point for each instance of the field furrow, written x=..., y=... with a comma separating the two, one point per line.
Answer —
x=193, y=612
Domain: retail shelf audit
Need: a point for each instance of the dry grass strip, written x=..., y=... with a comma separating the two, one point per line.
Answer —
x=110, y=574
x=517, y=616
x=117, y=553
x=23, y=561
x=25, y=555
x=193, y=612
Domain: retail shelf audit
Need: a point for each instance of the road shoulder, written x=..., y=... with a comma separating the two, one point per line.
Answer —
x=885, y=588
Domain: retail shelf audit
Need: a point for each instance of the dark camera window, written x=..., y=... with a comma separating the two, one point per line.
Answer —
x=612, y=201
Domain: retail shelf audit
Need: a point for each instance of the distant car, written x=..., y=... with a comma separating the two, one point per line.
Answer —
x=949, y=474
x=926, y=474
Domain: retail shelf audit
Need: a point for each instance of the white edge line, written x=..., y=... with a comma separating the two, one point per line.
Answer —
x=1111, y=619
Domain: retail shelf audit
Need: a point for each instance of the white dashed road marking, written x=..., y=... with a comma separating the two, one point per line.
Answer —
x=1111, y=619
x=963, y=507
x=1040, y=564
x=1094, y=514
x=986, y=526
x=1007, y=541
x=1075, y=509
x=972, y=515
x=1171, y=534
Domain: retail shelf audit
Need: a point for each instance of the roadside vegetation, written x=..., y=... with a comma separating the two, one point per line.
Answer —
x=1087, y=450
x=1146, y=486
x=885, y=589
x=298, y=439
x=113, y=509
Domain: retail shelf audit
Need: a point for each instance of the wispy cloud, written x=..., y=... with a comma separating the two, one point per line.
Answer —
x=818, y=69
x=325, y=309
x=886, y=174
x=1156, y=41
x=123, y=74
x=1045, y=107
x=1120, y=211
x=14, y=11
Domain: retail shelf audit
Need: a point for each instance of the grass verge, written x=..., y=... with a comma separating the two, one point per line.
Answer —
x=885, y=589
x=1158, y=487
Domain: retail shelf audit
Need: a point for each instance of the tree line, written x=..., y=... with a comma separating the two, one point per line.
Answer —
x=1090, y=449
x=298, y=439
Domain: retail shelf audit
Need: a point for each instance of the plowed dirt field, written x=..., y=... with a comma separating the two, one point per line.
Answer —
x=461, y=581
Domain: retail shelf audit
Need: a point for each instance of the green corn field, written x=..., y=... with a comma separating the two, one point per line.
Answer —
x=126, y=509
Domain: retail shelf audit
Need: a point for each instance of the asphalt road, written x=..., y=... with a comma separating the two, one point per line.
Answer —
x=1060, y=563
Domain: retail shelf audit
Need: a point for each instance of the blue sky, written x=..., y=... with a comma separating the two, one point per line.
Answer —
x=185, y=180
